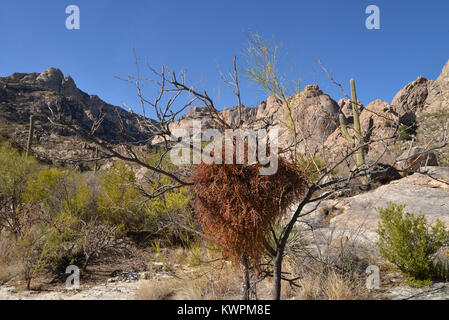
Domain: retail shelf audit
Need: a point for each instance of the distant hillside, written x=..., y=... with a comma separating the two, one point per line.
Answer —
x=22, y=95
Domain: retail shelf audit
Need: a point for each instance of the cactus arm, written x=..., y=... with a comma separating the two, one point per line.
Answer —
x=30, y=136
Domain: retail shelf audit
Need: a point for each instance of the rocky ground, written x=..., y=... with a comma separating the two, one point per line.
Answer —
x=357, y=217
x=99, y=285
x=126, y=290
x=107, y=291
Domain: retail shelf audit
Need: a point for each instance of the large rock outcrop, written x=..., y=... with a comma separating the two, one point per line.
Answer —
x=438, y=97
x=315, y=115
x=424, y=95
x=357, y=217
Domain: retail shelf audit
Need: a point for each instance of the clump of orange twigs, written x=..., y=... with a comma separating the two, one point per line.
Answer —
x=236, y=206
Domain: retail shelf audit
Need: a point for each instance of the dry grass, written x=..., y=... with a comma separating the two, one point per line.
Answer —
x=339, y=287
x=153, y=290
x=310, y=287
x=331, y=285
x=212, y=286
x=200, y=274
x=197, y=273
x=338, y=274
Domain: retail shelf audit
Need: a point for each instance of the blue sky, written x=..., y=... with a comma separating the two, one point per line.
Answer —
x=200, y=35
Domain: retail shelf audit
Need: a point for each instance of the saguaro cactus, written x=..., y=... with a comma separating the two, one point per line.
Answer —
x=357, y=138
x=30, y=136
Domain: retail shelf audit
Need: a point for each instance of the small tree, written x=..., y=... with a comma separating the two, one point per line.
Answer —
x=237, y=207
x=28, y=250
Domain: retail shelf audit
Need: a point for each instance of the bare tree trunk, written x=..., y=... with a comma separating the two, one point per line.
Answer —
x=86, y=262
x=277, y=275
x=246, y=279
x=28, y=281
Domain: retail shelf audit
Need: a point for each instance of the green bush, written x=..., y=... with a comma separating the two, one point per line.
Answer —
x=172, y=212
x=64, y=201
x=120, y=202
x=407, y=133
x=15, y=170
x=314, y=167
x=408, y=241
x=440, y=264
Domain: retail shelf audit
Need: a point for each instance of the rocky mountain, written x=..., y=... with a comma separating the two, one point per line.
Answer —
x=315, y=113
x=22, y=95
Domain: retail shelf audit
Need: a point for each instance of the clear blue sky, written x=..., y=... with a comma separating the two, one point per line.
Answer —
x=199, y=35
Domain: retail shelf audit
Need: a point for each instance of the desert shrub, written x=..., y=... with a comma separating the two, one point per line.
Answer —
x=313, y=167
x=123, y=202
x=407, y=133
x=9, y=265
x=59, y=248
x=15, y=170
x=440, y=264
x=68, y=211
x=296, y=243
x=94, y=239
x=172, y=215
x=54, y=191
x=28, y=251
x=408, y=241
x=119, y=201
x=172, y=212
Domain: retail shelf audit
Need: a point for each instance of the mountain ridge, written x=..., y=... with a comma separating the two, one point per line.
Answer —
x=25, y=94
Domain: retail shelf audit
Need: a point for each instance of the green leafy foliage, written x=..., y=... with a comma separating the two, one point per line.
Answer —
x=407, y=133
x=314, y=167
x=64, y=201
x=440, y=264
x=56, y=217
x=408, y=241
x=119, y=202
x=15, y=170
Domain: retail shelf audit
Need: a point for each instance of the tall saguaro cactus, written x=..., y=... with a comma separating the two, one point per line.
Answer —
x=30, y=136
x=357, y=138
